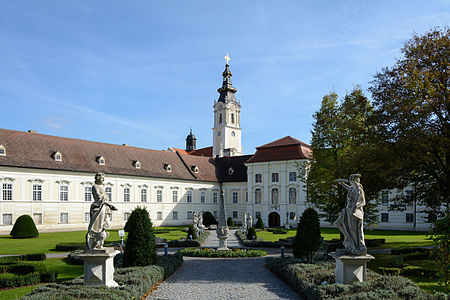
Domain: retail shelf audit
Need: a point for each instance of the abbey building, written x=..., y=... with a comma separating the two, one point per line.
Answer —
x=50, y=178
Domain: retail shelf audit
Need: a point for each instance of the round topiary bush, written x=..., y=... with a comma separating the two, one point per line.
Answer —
x=251, y=233
x=230, y=221
x=208, y=219
x=191, y=232
x=140, y=248
x=308, y=239
x=259, y=224
x=24, y=228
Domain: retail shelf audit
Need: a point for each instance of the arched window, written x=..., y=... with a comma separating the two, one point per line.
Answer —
x=292, y=196
x=232, y=118
x=232, y=133
x=220, y=118
x=274, y=196
x=258, y=197
x=218, y=133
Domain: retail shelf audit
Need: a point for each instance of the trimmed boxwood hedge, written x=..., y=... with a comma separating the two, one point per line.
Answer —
x=185, y=242
x=8, y=260
x=135, y=282
x=24, y=227
x=9, y=280
x=309, y=282
x=209, y=252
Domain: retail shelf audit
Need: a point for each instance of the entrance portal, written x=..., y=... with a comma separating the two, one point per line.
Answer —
x=274, y=219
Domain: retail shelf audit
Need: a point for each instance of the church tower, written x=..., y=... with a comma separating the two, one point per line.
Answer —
x=191, y=142
x=227, y=119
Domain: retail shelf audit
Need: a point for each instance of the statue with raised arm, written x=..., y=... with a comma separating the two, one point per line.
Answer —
x=350, y=220
x=100, y=213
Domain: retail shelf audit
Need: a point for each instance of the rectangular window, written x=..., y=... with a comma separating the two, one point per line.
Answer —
x=37, y=192
x=189, y=196
x=274, y=177
x=235, y=214
x=174, y=196
x=258, y=178
x=126, y=194
x=385, y=217
x=37, y=218
x=202, y=196
x=190, y=216
x=7, y=219
x=257, y=215
x=215, y=214
x=159, y=215
x=108, y=191
x=159, y=195
x=215, y=195
x=126, y=216
x=143, y=195
x=63, y=193
x=246, y=196
x=409, y=218
x=385, y=197
x=292, y=215
x=175, y=215
x=7, y=191
x=64, y=218
x=235, y=197
x=258, y=196
x=87, y=193
x=292, y=176
x=87, y=217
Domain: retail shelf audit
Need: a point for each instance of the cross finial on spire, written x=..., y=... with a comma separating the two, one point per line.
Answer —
x=227, y=58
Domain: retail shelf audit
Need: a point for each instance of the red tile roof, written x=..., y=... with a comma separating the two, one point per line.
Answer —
x=287, y=148
x=33, y=150
x=207, y=151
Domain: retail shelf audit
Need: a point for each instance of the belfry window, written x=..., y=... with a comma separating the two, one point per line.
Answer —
x=220, y=118
x=232, y=118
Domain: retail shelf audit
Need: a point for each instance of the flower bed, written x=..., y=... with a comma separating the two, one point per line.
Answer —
x=316, y=281
x=210, y=252
x=135, y=282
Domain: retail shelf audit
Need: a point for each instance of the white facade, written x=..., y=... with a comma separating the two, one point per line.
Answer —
x=227, y=129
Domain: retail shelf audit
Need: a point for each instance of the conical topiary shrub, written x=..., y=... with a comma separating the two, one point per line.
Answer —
x=140, y=248
x=191, y=232
x=208, y=219
x=24, y=228
x=259, y=224
x=308, y=239
x=251, y=233
x=230, y=221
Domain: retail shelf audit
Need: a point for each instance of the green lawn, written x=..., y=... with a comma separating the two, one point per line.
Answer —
x=46, y=242
x=394, y=238
x=65, y=270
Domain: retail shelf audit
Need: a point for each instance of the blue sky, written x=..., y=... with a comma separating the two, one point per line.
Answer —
x=144, y=72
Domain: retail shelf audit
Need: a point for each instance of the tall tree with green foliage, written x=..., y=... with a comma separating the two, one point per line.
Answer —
x=412, y=106
x=340, y=145
x=140, y=248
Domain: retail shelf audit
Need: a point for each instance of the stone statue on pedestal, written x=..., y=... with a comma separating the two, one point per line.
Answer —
x=222, y=228
x=350, y=220
x=351, y=262
x=200, y=225
x=250, y=221
x=244, y=223
x=100, y=214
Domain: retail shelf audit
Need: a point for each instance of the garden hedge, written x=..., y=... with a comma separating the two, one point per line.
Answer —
x=185, y=242
x=8, y=260
x=234, y=252
x=316, y=281
x=263, y=244
x=24, y=227
x=135, y=283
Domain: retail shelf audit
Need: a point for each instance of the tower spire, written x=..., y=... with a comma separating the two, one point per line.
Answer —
x=227, y=90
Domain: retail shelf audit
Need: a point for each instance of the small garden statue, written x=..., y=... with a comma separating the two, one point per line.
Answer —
x=350, y=220
x=200, y=226
x=250, y=221
x=100, y=214
x=244, y=224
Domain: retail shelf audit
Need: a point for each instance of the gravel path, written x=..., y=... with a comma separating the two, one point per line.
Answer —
x=213, y=278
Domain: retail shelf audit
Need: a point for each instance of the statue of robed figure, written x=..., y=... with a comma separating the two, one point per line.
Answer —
x=350, y=220
x=100, y=214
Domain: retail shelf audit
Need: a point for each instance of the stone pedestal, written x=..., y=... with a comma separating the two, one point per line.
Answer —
x=99, y=266
x=351, y=268
x=223, y=243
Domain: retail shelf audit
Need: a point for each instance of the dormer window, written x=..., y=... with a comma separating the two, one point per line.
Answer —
x=57, y=156
x=101, y=160
x=2, y=150
x=230, y=171
x=168, y=167
x=137, y=164
x=194, y=168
